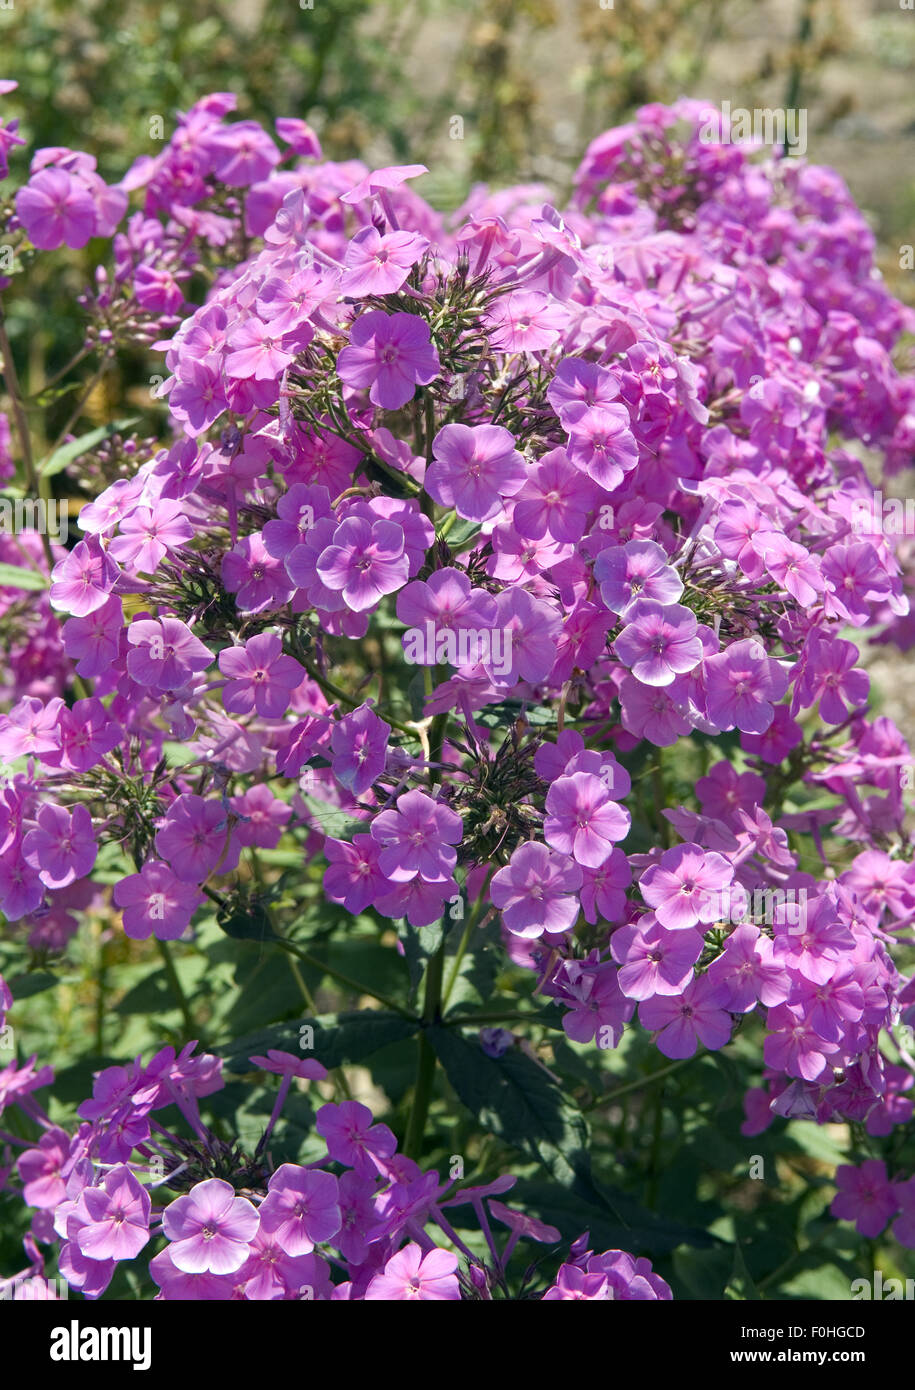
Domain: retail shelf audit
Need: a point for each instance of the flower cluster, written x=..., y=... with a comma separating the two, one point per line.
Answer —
x=594, y=461
x=353, y=1224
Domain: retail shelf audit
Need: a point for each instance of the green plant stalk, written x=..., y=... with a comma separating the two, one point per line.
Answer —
x=22, y=429
x=425, y=1065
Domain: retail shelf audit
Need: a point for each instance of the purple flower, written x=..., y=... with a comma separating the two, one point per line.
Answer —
x=794, y=1046
x=747, y=972
x=62, y=847
x=352, y=1138
x=148, y=533
x=193, y=838
x=653, y=960
x=684, y=1020
x=56, y=210
x=156, y=903
x=166, y=653
x=411, y=1274
x=473, y=468
x=555, y=500
x=686, y=886
x=258, y=580
x=83, y=580
x=417, y=838
x=742, y=685
x=359, y=743
x=301, y=1208
x=583, y=819
x=637, y=570
x=113, y=1220
x=391, y=354
x=659, y=642
x=536, y=891
x=364, y=561
x=601, y=443
x=210, y=1229
x=377, y=264
x=352, y=876
x=261, y=677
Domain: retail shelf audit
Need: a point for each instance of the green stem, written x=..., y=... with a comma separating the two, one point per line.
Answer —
x=465, y=939
x=639, y=1084
x=22, y=429
x=425, y=1065
x=350, y=983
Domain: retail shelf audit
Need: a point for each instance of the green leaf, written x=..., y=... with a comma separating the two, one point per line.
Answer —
x=21, y=577
x=516, y=1100
x=332, y=820
x=68, y=452
x=249, y=923
x=33, y=982
x=614, y=1221
x=338, y=1038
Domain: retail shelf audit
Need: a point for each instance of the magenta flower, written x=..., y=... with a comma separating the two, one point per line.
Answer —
x=555, y=500
x=526, y=321
x=166, y=655
x=148, y=533
x=261, y=677
x=113, y=1220
x=794, y=1046
x=43, y=1186
x=653, y=960
x=264, y=817
x=62, y=847
x=83, y=580
x=352, y=876
x=601, y=443
x=365, y=561
x=301, y=1208
x=687, y=886
x=747, y=972
x=352, y=1138
x=682, y=1021
x=583, y=819
x=156, y=903
x=659, y=642
x=193, y=838
x=31, y=727
x=637, y=570
x=536, y=891
x=93, y=642
x=473, y=468
x=411, y=1274
x=377, y=264
x=391, y=354
x=595, y=1004
x=359, y=743
x=255, y=577
x=210, y=1228
x=742, y=685
x=792, y=567
x=56, y=210
x=417, y=838
x=831, y=676
x=260, y=350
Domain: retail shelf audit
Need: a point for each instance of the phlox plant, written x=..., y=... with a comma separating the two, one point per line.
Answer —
x=445, y=735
